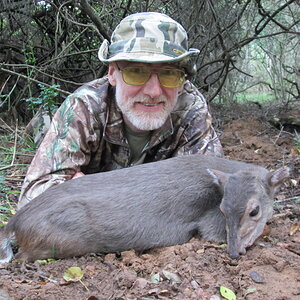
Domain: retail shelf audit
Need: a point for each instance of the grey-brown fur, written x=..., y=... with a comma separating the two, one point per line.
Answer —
x=150, y=205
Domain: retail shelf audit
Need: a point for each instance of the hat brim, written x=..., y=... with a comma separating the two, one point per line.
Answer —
x=146, y=57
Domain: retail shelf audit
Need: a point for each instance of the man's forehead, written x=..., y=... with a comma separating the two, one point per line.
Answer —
x=124, y=64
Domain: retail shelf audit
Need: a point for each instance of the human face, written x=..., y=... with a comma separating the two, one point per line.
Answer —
x=144, y=107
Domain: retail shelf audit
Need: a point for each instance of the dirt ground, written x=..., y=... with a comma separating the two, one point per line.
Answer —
x=269, y=270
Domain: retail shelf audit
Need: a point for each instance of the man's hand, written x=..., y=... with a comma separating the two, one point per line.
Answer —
x=78, y=174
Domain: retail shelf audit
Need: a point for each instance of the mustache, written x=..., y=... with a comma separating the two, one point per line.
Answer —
x=149, y=100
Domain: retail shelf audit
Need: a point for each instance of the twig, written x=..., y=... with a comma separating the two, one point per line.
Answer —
x=11, y=166
x=18, y=179
x=47, y=278
x=287, y=199
x=18, y=153
x=278, y=136
x=15, y=144
x=6, y=125
x=4, y=84
x=35, y=68
x=34, y=80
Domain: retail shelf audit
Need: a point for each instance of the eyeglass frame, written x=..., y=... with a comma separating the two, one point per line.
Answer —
x=181, y=70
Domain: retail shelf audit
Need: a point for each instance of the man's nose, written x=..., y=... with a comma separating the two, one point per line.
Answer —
x=152, y=87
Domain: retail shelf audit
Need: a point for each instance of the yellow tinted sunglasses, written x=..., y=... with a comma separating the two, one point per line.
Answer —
x=139, y=75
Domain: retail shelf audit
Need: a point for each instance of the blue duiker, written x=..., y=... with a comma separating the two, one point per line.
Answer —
x=151, y=205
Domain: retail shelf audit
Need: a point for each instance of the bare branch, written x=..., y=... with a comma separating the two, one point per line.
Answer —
x=87, y=8
x=32, y=79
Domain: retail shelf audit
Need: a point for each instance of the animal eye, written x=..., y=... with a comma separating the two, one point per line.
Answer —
x=254, y=212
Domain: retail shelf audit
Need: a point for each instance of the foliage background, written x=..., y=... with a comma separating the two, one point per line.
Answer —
x=249, y=48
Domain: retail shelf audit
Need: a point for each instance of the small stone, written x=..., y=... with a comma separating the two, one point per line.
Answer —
x=4, y=295
x=140, y=283
x=110, y=257
x=256, y=277
x=280, y=266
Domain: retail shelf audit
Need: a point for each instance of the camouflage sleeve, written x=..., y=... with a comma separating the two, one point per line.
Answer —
x=198, y=134
x=65, y=148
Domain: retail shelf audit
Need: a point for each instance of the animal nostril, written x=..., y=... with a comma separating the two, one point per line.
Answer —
x=242, y=251
x=234, y=255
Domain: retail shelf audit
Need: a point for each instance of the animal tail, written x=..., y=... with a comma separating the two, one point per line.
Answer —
x=6, y=253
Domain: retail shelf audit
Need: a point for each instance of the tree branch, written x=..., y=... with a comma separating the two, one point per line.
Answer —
x=87, y=8
x=31, y=79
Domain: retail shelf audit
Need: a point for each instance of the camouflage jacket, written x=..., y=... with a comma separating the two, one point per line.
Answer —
x=87, y=135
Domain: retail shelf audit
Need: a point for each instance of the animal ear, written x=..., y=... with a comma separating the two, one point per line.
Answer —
x=276, y=177
x=219, y=178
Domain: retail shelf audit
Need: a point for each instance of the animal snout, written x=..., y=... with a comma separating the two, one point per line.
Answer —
x=235, y=254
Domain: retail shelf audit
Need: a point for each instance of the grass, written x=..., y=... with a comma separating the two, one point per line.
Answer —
x=13, y=149
x=255, y=97
x=297, y=141
x=7, y=206
x=243, y=98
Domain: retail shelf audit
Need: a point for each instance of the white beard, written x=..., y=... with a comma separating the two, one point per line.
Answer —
x=143, y=120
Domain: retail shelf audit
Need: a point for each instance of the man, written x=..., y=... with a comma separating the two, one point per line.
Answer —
x=144, y=110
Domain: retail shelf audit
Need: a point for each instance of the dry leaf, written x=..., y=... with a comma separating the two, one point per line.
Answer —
x=294, y=229
x=200, y=251
x=295, y=151
x=296, y=239
x=294, y=182
x=73, y=274
x=172, y=276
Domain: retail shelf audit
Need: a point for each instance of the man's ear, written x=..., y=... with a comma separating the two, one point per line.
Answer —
x=112, y=69
x=180, y=89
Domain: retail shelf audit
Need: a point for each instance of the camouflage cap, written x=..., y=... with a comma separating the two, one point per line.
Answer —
x=149, y=37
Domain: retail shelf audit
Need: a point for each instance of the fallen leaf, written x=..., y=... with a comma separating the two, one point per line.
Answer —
x=172, y=276
x=249, y=291
x=195, y=284
x=46, y=261
x=295, y=151
x=227, y=293
x=212, y=245
x=200, y=251
x=294, y=182
x=163, y=292
x=140, y=283
x=296, y=239
x=73, y=274
x=153, y=291
x=282, y=245
x=266, y=231
x=154, y=278
x=294, y=229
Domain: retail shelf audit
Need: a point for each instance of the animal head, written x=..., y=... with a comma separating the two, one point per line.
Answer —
x=247, y=204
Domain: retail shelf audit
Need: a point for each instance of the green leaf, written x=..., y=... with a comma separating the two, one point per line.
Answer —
x=227, y=293
x=73, y=274
x=14, y=192
x=4, y=208
x=250, y=291
x=46, y=261
x=154, y=278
